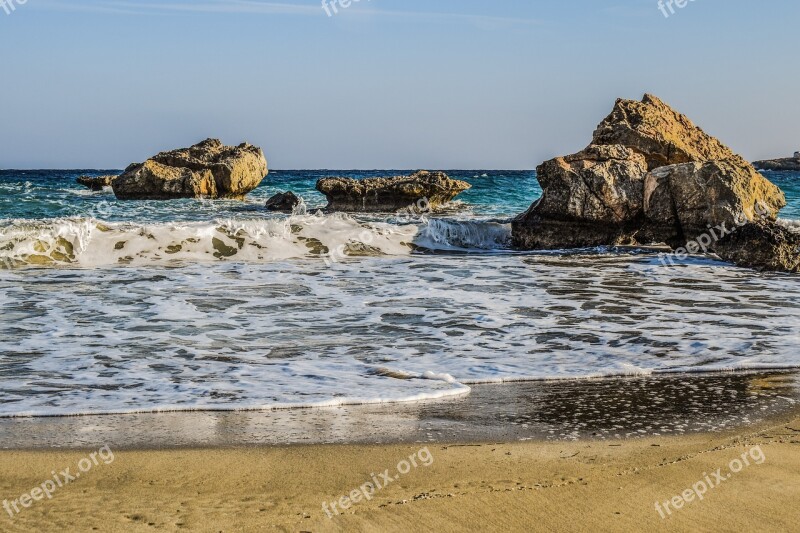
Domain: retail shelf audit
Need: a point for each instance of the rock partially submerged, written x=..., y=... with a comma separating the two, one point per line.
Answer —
x=591, y=198
x=762, y=246
x=96, y=183
x=391, y=194
x=784, y=164
x=206, y=170
x=283, y=202
x=651, y=176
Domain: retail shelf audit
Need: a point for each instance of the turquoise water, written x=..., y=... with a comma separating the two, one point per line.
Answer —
x=54, y=194
x=118, y=307
x=790, y=183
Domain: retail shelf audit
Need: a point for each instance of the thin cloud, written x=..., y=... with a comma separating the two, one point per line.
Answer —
x=267, y=8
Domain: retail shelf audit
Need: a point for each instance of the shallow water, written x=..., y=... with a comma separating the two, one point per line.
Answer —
x=602, y=409
x=117, y=307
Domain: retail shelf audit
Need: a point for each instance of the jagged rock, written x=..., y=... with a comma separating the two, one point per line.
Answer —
x=591, y=198
x=661, y=134
x=205, y=170
x=650, y=176
x=762, y=246
x=785, y=164
x=96, y=183
x=390, y=194
x=283, y=201
x=682, y=201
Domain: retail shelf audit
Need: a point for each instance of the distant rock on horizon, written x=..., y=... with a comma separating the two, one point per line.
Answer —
x=206, y=170
x=781, y=164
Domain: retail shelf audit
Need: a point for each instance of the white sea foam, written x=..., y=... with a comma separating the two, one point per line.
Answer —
x=278, y=334
x=105, y=191
x=92, y=243
x=465, y=235
x=792, y=224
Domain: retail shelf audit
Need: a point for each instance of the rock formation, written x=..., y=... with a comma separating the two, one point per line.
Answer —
x=785, y=164
x=651, y=176
x=96, y=183
x=390, y=194
x=284, y=202
x=762, y=246
x=205, y=170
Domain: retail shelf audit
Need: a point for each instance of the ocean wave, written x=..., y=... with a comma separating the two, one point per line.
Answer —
x=465, y=235
x=792, y=224
x=283, y=334
x=89, y=242
x=88, y=192
x=284, y=377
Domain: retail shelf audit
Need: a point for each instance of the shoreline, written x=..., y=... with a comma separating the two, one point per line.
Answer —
x=491, y=486
x=608, y=409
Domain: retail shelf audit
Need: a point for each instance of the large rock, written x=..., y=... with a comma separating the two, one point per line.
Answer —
x=206, y=170
x=390, y=194
x=651, y=176
x=95, y=183
x=591, y=198
x=661, y=134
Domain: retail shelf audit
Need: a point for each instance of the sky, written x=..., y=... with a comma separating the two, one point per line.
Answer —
x=402, y=84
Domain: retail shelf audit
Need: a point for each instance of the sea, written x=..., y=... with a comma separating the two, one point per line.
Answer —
x=113, y=307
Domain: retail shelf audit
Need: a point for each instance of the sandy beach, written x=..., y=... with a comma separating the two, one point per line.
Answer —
x=558, y=486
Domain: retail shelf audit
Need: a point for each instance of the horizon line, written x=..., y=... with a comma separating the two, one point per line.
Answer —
x=409, y=169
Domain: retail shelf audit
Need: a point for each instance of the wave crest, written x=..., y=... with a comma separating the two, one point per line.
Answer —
x=793, y=225
x=89, y=242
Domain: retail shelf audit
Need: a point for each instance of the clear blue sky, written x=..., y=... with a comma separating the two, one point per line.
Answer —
x=384, y=83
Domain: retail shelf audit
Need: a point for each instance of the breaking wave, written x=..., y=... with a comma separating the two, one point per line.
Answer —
x=793, y=225
x=89, y=242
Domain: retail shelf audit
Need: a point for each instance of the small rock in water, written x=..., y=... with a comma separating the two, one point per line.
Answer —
x=283, y=201
x=96, y=183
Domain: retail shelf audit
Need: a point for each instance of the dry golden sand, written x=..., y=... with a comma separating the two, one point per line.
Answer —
x=581, y=486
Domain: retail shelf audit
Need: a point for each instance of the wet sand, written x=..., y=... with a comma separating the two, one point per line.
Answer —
x=557, y=486
x=602, y=409
x=594, y=456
